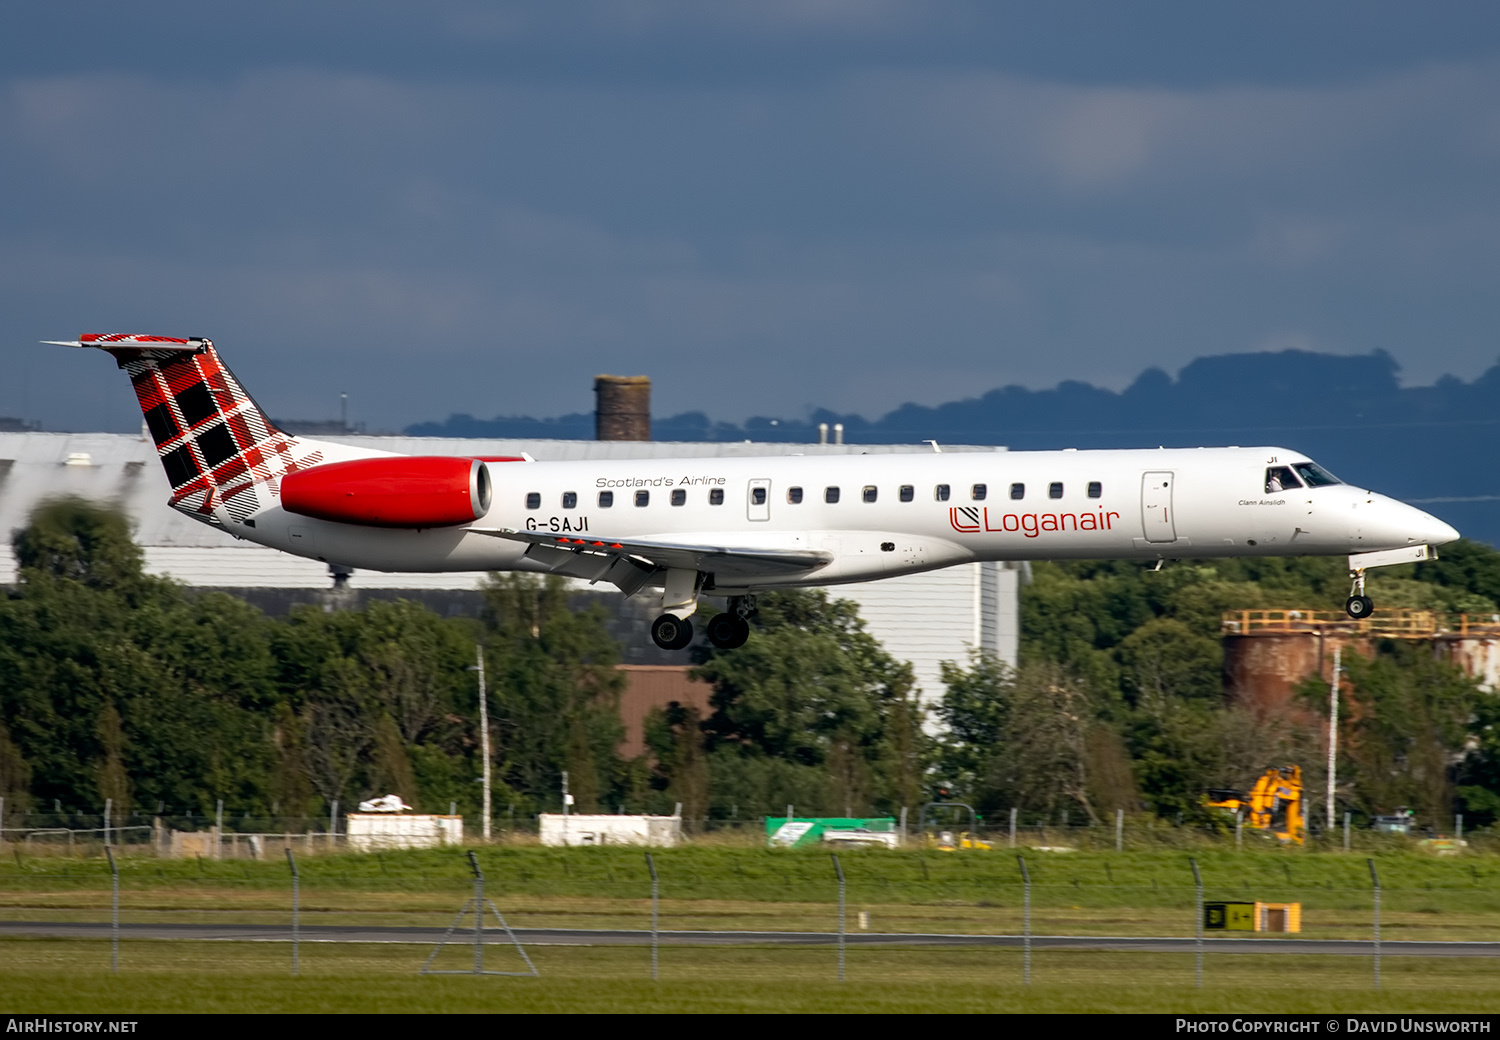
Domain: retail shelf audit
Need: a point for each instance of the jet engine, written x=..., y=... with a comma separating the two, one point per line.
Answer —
x=399, y=491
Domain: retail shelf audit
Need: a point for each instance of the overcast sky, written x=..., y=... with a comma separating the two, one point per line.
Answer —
x=475, y=207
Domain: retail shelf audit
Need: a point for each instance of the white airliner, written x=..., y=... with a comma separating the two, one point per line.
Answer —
x=736, y=527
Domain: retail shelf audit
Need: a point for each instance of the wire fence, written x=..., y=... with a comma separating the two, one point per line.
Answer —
x=875, y=914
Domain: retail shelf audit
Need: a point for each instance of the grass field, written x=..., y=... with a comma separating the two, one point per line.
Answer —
x=1084, y=893
x=73, y=977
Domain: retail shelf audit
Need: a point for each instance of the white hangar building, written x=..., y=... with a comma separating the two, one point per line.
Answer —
x=924, y=618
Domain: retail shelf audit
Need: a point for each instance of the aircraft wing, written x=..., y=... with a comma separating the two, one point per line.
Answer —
x=630, y=563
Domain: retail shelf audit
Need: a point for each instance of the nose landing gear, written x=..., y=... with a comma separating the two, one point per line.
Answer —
x=1358, y=606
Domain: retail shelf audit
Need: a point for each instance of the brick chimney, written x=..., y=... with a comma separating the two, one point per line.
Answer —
x=623, y=408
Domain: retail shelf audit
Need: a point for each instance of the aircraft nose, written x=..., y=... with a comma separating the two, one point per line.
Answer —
x=1404, y=524
x=1436, y=532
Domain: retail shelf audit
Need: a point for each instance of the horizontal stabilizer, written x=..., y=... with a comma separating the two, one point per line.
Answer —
x=127, y=340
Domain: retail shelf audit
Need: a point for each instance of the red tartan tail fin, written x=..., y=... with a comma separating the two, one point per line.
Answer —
x=218, y=448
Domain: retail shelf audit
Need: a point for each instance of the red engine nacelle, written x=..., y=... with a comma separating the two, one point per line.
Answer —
x=404, y=491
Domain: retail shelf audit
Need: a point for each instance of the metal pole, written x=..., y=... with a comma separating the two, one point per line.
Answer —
x=903, y=820
x=1333, y=733
x=1198, y=928
x=1239, y=829
x=1013, y=827
x=1119, y=830
x=333, y=825
x=1025, y=917
x=296, y=909
x=484, y=738
x=114, y=911
x=655, y=906
x=1375, y=878
x=1458, y=827
x=1346, y=830
x=840, y=871
x=109, y=804
x=219, y=831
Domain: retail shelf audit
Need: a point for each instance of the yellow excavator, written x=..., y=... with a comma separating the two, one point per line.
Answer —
x=1274, y=804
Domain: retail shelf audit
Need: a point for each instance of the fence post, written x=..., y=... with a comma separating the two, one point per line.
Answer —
x=296, y=908
x=1012, y=827
x=1458, y=827
x=478, y=913
x=1119, y=830
x=1198, y=926
x=1025, y=920
x=1346, y=830
x=1239, y=829
x=840, y=871
x=333, y=826
x=114, y=911
x=655, y=893
x=109, y=804
x=1375, y=879
x=219, y=831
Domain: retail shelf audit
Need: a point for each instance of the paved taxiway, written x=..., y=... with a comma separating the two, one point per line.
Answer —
x=632, y=937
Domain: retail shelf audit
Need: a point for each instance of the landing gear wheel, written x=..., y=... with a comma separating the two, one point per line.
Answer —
x=1359, y=607
x=672, y=632
x=726, y=631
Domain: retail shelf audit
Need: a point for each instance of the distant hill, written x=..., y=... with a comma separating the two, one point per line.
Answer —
x=1435, y=445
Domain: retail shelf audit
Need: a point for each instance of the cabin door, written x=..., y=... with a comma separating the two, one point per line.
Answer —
x=1157, y=514
x=758, y=500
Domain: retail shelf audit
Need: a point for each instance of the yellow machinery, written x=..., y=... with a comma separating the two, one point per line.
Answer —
x=1273, y=804
x=947, y=841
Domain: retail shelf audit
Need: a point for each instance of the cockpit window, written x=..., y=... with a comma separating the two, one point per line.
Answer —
x=1279, y=478
x=1314, y=474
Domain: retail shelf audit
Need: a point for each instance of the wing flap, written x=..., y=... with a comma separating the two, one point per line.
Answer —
x=583, y=557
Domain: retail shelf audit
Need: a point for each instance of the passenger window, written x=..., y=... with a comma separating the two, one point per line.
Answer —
x=1054, y=489
x=940, y=492
x=978, y=491
x=794, y=496
x=606, y=499
x=679, y=497
x=757, y=496
x=870, y=492
x=716, y=497
x=570, y=500
x=830, y=495
x=643, y=498
x=1096, y=489
x=534, y=500
x=1279, y=478
x=908, y=492
x=1018, y=491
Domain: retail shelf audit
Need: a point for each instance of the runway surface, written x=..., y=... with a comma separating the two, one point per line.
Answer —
x=631, y=937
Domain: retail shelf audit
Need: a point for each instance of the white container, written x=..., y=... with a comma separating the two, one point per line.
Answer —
x=371, y=832
x=585, y=829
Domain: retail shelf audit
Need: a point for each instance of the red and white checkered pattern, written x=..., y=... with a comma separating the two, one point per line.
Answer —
x=217, y=447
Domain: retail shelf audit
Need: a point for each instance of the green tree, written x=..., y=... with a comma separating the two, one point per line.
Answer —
x=814, y=691
x=1409, y=720
x=556, y=692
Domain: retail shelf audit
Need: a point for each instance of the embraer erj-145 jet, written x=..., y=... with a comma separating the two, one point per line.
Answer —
x=736, y=527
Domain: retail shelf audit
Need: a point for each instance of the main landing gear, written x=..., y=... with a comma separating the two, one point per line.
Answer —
x=726, y=631
x=731, y=628
x=671, y=632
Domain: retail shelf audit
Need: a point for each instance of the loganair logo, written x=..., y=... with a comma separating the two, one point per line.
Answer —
x=976, y=520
